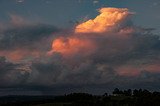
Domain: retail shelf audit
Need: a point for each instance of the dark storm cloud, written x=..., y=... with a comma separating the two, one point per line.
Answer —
x=10, y=75
x=126, y=56
x=122, y=56
x=21, y=38
x=138, y=46
x=25, y=36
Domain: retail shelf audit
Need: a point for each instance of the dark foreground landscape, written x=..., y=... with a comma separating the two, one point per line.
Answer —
x=117, y=98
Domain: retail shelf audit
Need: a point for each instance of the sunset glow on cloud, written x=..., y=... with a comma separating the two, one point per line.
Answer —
x=106, y=50
x=72, y=46
x=108, y=19
x=18, y=55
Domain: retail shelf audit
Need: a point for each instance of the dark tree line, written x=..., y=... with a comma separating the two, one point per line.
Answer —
x=137, y=97
x=117, y=98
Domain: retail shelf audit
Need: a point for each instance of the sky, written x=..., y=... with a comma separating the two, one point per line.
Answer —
x=62, y=46
x=70, y=11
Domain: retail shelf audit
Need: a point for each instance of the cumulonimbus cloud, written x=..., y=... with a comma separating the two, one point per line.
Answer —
x=102, y=51
x=112, y=24
x=108, y=20
x=110, y=39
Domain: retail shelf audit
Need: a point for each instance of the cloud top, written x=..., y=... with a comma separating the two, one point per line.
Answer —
x=105, y=21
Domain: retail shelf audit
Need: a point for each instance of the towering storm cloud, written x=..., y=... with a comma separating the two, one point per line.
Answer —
x=108, y=51
x=110, y=41
x=109, y=18
x=108, y=22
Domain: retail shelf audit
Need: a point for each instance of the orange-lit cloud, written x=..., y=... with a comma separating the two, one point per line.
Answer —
x=70, y=46
x=116, y=44
x=108, y=18
x=136, y=70
x=128, y=71
x=154, y=68
x=17, y=55
x=117, y=52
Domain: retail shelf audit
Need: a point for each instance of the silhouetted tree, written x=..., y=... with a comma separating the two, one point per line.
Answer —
x=116, y=91
x=127, y=92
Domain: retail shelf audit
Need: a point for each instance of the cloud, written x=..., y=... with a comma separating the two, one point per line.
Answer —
x=114, y=42
x=71, y=46
x=108, y=19
x=25, y=36
x=108, y=51
x=95, y=1
x=21, y=38
x=11, y=74
x=20, y=1
x=18, y=20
